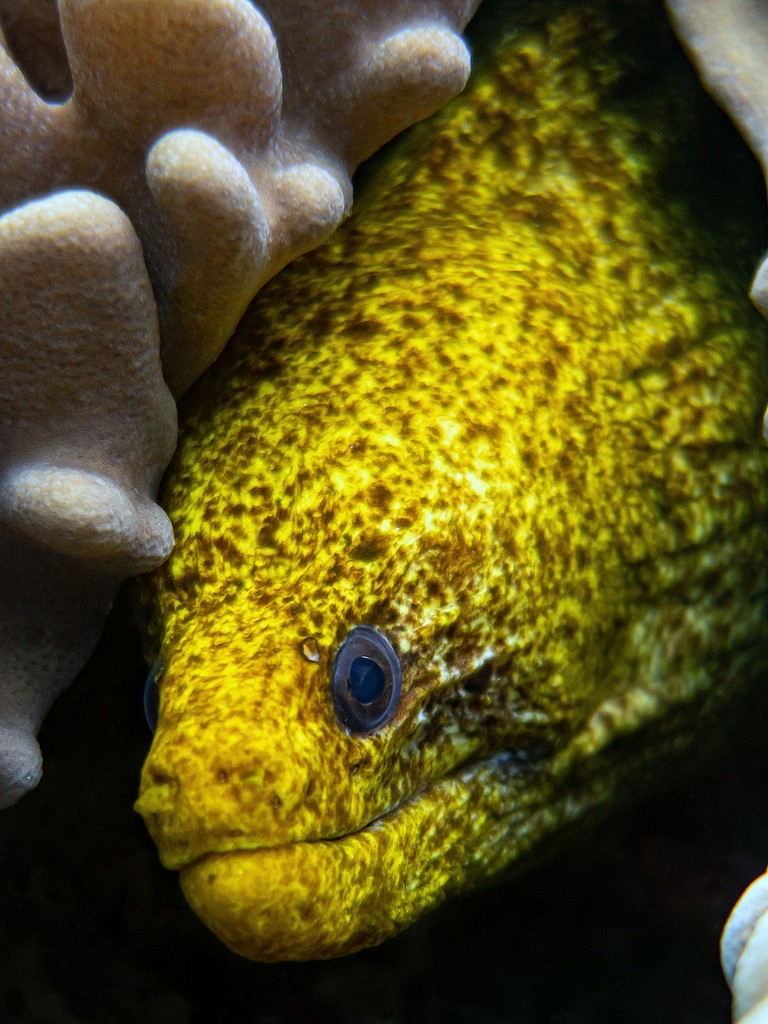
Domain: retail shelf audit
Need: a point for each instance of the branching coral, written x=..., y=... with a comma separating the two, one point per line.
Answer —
x=87, y=426
x=204, y=144
x=226, y=134
x=728, y=41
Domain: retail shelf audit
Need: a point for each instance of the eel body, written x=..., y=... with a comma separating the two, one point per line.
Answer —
x=508, y=422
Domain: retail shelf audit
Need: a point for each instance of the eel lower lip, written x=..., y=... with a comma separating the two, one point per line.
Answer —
x=324, y=898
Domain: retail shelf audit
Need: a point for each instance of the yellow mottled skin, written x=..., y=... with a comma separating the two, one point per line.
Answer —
x=509, y=416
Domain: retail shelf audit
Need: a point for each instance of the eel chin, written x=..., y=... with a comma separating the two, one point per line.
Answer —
x=325, y=898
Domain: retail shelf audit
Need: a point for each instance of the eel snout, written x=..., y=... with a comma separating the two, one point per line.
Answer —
x=326, y=898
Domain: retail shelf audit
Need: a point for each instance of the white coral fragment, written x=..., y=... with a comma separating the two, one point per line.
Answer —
x=744, y=954
x=159, y=161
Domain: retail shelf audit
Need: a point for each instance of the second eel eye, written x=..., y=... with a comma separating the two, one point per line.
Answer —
x=152, y=697
x=366, y=680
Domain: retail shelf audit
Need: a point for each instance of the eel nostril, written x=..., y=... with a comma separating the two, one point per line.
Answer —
x=158, y=777
x=152, y=697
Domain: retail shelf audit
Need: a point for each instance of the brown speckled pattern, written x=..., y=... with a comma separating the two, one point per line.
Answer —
x=510, y=416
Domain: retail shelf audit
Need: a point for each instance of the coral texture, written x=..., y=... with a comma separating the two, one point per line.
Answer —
x=87, y=426
x=744, y=954
x=227, y=133
x=513, y=428
x=202, y=145
x=728, y=41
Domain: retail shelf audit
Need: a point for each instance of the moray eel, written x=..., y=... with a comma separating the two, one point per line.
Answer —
x=472, y=516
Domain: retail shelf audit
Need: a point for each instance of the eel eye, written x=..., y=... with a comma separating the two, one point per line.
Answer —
x=366, y=680
x=152, y=697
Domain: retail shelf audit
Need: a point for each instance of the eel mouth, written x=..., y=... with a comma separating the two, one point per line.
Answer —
x=322, y=898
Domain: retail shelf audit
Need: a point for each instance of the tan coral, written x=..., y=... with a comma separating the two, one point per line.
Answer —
x=204, y=144
x=228, y=135
x=728, y=41
x=79, y=465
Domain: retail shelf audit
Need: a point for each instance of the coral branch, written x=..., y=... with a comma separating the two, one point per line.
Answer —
x=268, y=114
x=160, y=161
x=728, y=41
x=79, y=466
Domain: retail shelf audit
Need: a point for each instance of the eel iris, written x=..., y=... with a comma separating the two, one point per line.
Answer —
x=472, y=516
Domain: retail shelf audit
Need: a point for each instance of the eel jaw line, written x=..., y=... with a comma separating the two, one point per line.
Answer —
x=320, y=898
